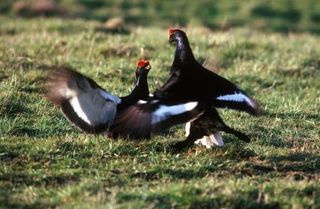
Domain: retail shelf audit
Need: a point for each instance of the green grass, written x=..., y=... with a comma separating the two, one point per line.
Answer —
x=47, y=163
x=268, y=15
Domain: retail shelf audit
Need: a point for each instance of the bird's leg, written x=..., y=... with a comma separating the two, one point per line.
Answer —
x=215, y=117
x=188, y=142
x=238, y=134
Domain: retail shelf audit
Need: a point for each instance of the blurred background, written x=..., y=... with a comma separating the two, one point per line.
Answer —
x=269, y=15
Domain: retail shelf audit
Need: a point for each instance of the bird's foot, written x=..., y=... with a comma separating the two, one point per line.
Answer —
x=180, y=146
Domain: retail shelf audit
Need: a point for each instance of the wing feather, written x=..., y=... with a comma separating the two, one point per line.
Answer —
x=142, y=119
x=83, y=102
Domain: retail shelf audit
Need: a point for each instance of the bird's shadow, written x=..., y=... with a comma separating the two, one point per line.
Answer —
x=295, y=115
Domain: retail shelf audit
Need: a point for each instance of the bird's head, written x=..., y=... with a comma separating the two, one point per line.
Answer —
x=142, y=66
x=176, y=35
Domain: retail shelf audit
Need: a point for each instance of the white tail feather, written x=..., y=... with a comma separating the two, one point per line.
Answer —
x=237, y=97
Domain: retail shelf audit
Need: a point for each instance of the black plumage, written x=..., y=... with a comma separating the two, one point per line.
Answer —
x=94, y=110
x=190, y=80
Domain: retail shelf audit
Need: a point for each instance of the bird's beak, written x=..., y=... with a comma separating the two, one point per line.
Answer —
x=172, y=39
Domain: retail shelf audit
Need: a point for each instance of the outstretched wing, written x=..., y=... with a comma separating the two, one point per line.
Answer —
x=207, y=86
x=83, y=102
x=153, y=116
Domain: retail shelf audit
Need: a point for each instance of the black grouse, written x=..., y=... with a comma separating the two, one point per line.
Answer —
x=189, y=80
x=204, y=129
x=94, y=110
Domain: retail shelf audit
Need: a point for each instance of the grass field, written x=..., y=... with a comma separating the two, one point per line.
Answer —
x=47, y=163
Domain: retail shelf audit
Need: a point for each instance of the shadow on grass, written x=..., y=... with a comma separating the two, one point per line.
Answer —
x=21, y=179
x=296, y=162
x=12, y=182
x=175, y=174
x=199, y=198
x=225, y=156
x=279, y=136
x=15, y=155
x=6, y=202
x=73, y=150
x=298, y=166
x=22, y=130
x=230, y=163
x=291, y=15
x=271, y=137
x=235, y=202
x=13, y=106
x=295, y=115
